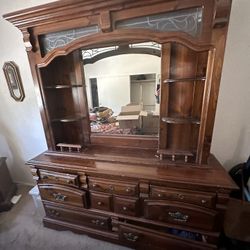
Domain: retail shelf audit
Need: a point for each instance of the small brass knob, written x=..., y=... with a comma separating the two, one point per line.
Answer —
x=203, y=201
x=159, y=195
x=99, y=203
x=124, y=208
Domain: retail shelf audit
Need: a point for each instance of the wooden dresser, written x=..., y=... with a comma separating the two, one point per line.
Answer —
x=138, y=188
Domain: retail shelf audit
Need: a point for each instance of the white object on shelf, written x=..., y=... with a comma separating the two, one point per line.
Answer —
x=34, y=192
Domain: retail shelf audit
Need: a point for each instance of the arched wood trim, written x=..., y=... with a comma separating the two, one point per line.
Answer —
x=148, y=51
x=125, y=36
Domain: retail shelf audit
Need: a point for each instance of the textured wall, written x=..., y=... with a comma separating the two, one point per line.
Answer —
x=21, y=132
x=231, y=138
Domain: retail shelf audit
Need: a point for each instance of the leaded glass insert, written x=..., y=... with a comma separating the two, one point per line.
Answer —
x=188, y=21
x=55, y=40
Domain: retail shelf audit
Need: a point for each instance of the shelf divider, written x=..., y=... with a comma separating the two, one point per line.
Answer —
x=200, y=78
x=180, y=120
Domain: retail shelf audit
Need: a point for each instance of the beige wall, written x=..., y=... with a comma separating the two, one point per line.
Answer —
x=21, y=133
x=231, y=138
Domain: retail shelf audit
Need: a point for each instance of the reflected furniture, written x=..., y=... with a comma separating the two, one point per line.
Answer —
x=153, y=192
x=7, y=186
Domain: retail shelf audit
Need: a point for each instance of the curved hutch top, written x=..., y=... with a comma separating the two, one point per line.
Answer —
x=191, y=35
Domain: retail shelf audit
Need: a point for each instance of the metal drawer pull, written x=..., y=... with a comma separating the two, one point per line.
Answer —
x=59, y=197
x=181, y=196
x=128, y=190
x=54, y=212
x=124, y=208
x=98, y=222
x=94, y=185
x=178, y=216
x=159, y=195
x=130, y=237
x=203, y=201
x=69, y=181
x=99, y=203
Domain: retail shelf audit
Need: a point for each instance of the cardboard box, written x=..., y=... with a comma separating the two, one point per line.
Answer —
x=130, y=116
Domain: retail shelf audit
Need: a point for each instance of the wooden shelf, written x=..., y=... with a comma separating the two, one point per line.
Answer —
x=180, y=120
x=176, y=152
x=73, y=118
x=63, y=86
x=201, y=78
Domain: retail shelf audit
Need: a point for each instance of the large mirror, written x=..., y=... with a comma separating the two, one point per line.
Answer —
x=123, y=88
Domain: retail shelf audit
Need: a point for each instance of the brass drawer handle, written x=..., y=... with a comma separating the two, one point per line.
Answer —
x=99, y=203
x=98, y=222
x=69, y=181
x=59, y=197
x=124, y=208
x=180, y=196
x=159, y=195
x=203, y=201
x=128, y=190
x=131, y=237
x=178, y=216
x=54, y=212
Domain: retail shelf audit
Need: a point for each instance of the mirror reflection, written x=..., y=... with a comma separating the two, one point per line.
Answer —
x=123, y=88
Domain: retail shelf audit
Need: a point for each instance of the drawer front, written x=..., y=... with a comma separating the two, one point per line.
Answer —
x=197, y=198
x=63, y=195
x=180, y=213
x=141, y=238
x=113, y=187
x=58, y=178
x=78, y=218
x=101, y=201
x=126, y=206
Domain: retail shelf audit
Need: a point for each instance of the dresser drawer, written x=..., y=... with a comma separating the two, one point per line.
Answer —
x=113, y=187
x=58, y=178
x=197, y=198
x=101, y=201
x=63, y=195
x=141, y=238
x=78, y=218
x=127, y=206
x=180, y=213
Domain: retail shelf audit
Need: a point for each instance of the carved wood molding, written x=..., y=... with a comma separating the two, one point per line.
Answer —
x=118, y=36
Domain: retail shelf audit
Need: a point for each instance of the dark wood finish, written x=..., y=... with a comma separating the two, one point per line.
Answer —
x=141, y=238
x=126, y=206
x=58, y=178
x=63, y=194
x=180, y=213
x=79, y=218
x=197, y=198
x=101, y=201
x=120, y=188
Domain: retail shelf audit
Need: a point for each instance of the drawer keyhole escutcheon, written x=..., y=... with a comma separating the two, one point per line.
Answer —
x=130, y=237
x=178, y=216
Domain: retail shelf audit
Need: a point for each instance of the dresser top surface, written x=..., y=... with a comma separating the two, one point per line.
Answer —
x=143, y=167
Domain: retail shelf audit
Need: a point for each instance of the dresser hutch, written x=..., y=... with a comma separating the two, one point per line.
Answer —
x=160, y=190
